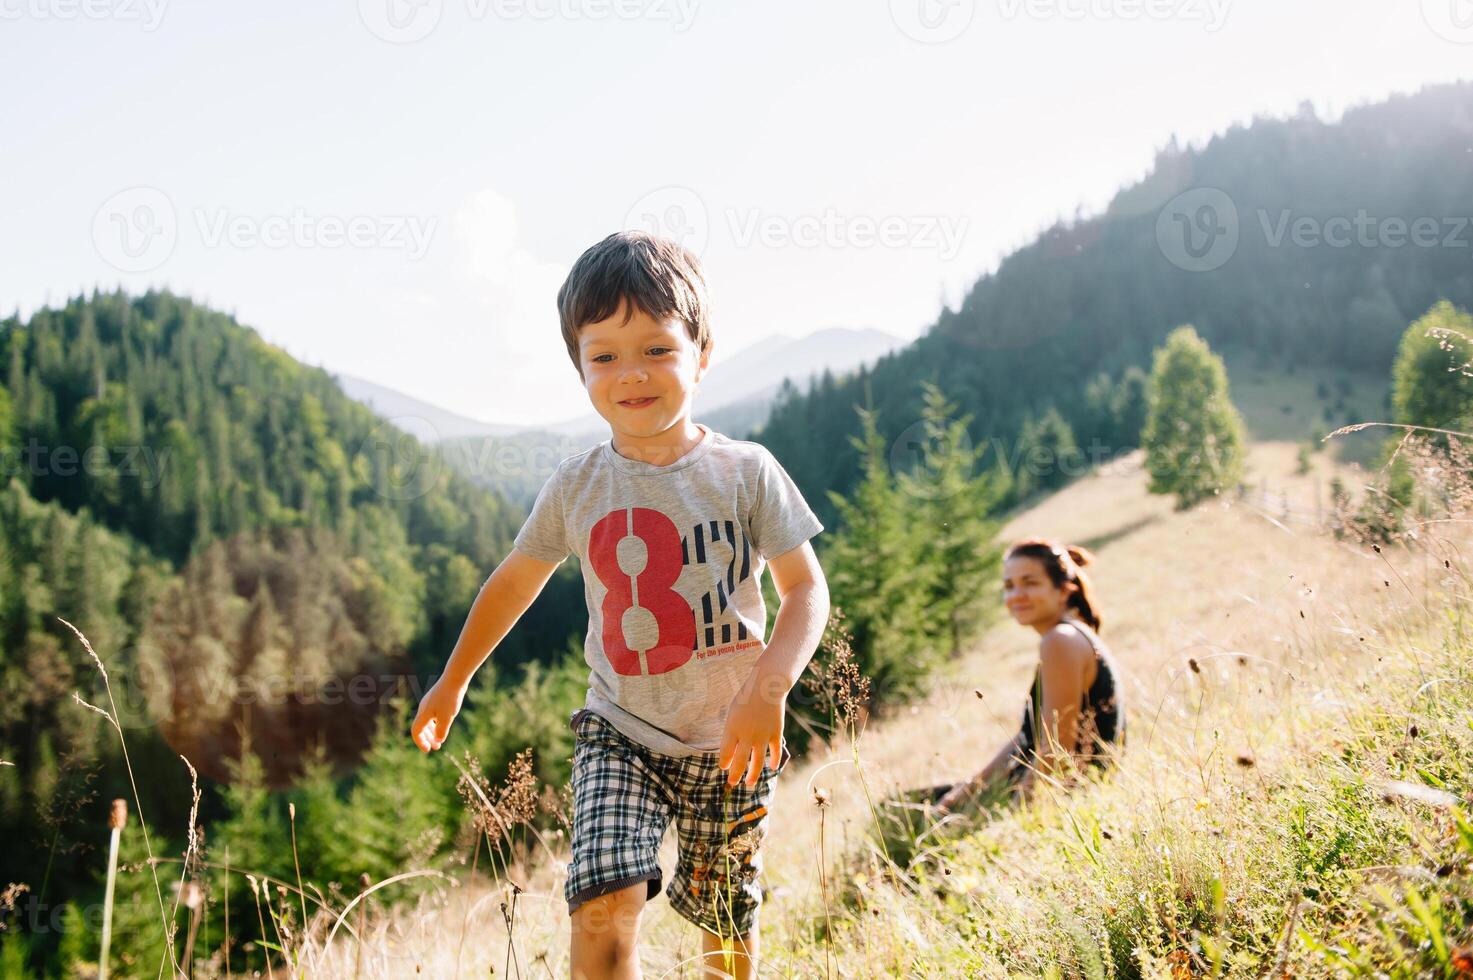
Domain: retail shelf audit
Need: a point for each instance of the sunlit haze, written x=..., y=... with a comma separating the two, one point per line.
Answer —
x=396, y=190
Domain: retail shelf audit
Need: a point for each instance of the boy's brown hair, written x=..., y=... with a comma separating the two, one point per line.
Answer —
x=660, y=276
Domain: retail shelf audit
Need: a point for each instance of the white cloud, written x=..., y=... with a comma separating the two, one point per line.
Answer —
x=516, y=290
x=495, y=324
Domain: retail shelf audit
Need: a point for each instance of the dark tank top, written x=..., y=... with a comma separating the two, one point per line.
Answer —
x=1102, y=715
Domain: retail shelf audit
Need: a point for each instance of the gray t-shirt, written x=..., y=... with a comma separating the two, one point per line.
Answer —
x=672, y=562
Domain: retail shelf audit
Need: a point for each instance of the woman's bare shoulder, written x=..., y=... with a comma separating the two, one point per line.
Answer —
x=1065, y=642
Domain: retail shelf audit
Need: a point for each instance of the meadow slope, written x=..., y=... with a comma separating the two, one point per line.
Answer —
x=1250, y=639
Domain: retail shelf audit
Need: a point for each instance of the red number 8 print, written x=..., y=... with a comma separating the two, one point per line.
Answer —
x=663, y=564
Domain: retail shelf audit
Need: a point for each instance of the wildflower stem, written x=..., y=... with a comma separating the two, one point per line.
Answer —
x=823, y=886
x=116, y=819
x=133, y=782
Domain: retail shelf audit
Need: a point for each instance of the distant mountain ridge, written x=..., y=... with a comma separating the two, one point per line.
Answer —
x=1237, y=237
x=737, y=390
x=735, y=398
x=391, y=404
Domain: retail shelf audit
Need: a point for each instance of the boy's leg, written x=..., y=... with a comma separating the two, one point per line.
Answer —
x=620, y=811
x=722, y=834
x=606, y=935
x=739, y=962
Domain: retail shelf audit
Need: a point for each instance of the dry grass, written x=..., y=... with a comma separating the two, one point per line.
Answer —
x=1300, y=718
x=1249, y=639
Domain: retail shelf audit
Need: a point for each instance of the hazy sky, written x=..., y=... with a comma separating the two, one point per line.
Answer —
x=395, y=188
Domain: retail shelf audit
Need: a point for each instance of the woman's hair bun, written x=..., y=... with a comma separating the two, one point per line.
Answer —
x=1080, y=555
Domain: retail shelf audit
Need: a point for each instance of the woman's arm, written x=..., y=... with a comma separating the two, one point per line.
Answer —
x=1064, y=657
x=995, y=768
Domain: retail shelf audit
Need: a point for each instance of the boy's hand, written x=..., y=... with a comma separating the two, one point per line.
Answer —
x=437, y=710
x=754, y=728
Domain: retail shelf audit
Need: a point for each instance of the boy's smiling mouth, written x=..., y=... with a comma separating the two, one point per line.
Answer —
x=638, y=402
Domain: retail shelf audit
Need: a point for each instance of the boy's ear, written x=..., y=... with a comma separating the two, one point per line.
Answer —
x=705, y=362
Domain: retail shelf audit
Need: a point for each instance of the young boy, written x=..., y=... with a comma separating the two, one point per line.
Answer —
x=672, y=523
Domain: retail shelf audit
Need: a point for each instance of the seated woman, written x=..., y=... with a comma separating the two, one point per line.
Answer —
x=1074, y=706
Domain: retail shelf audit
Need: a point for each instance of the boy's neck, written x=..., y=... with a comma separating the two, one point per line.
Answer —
x=662, y=448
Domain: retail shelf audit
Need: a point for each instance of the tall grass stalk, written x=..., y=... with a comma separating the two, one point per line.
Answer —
x=112, y=718
x=115, y=821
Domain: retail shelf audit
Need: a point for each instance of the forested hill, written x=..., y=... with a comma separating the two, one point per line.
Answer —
x=217, y=517
x=1265, y=269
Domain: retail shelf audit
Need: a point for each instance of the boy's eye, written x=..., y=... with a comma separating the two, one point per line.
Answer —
x=653, y=350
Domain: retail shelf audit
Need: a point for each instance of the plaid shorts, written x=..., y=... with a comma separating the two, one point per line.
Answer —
x=624, y=796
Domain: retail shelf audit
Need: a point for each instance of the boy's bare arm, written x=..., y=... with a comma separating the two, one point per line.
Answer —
x=754, y=722
x=503, y=598
x=802, y=613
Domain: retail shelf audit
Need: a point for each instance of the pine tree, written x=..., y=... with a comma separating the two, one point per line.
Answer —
x=325, y=855
x=1099, y=407
x=506, y=718
x=1193, y=436
x=255, y=831
x=1047, y=455
x=878, y=574
x=7, y=435
x=77, y=950
x=1432, y=380
x=15, y=378
x=402, y=808
x=958, y=539
x=15, y=953
x=1131, y=404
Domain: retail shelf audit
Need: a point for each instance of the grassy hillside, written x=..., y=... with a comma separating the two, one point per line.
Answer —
x=1279, y=406
x=1096, y=294
x=1287, y=694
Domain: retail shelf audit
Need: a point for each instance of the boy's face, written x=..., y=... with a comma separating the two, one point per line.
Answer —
x=641, y=359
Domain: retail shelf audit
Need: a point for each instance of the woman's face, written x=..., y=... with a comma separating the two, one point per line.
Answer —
x=1029, y=594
